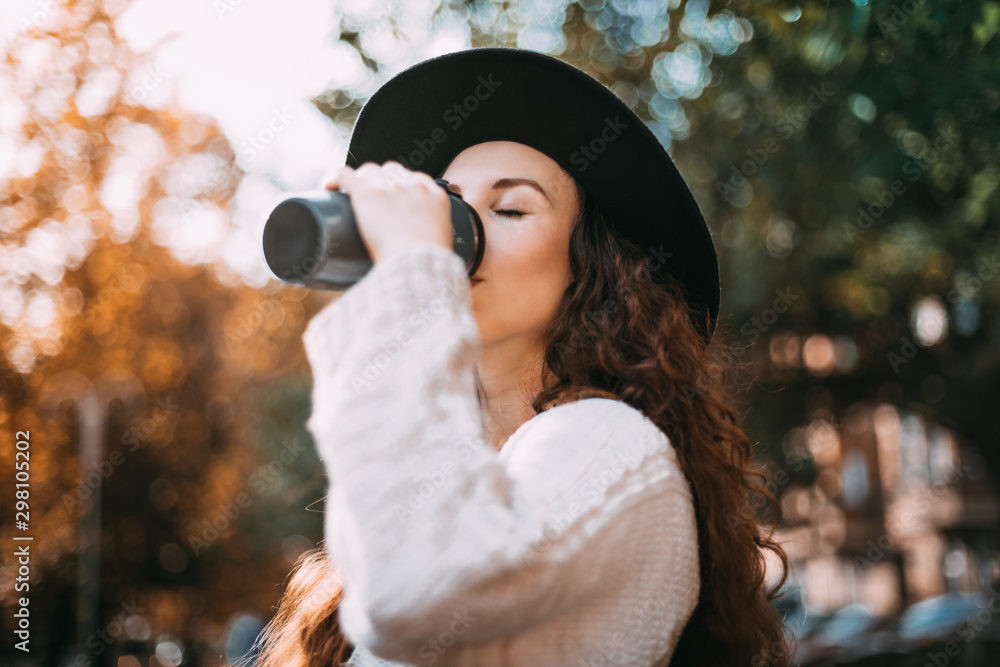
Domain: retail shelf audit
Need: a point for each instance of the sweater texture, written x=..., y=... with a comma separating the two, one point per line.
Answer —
x=575, y=544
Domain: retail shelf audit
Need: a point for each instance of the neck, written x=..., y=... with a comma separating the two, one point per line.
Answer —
x=509, y=374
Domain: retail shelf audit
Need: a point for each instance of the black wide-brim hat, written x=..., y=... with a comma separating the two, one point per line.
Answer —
x=427, y=114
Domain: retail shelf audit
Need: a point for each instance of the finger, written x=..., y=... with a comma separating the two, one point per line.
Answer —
x=334, y=179
x=396, y=173
x=329, y=178
x=367, y=167
x=426, y=179
x=368, y=175
x=395, y=166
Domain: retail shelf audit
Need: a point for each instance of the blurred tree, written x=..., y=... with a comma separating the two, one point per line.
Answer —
x=857, y=166
x=195, y=487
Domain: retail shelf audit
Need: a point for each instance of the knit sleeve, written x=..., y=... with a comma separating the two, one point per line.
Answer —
x=431, y=529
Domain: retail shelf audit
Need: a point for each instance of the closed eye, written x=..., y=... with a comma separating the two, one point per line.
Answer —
x=509, y=213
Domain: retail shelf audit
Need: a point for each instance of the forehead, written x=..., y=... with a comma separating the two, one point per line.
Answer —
x=492, y=160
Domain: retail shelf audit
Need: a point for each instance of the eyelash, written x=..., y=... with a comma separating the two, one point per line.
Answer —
x=509, y=213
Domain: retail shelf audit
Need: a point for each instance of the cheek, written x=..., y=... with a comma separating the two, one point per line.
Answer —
x=530, y=271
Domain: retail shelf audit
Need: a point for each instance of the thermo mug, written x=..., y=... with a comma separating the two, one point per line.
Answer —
x=311, y=239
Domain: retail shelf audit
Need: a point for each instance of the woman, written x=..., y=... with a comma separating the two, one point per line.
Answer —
x=535, y=466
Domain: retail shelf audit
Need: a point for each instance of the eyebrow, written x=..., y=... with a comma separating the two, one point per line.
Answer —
x=504, y=183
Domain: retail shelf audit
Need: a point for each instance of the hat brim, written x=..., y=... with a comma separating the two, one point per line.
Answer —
x=427, y=114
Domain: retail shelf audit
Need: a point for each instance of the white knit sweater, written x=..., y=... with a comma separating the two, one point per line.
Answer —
x=575, y=544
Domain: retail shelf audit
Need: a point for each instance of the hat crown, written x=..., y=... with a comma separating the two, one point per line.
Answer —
x=428, y=113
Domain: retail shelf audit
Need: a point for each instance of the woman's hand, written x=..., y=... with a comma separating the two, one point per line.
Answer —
x=394, y=208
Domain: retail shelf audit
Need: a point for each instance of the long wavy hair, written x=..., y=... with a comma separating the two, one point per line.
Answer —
x=622, y=334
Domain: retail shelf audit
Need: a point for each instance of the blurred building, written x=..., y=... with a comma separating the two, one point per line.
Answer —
x=901, y=511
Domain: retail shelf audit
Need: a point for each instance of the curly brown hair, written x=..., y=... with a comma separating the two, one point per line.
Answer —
x=622, y=334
